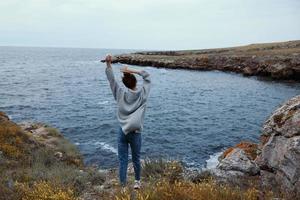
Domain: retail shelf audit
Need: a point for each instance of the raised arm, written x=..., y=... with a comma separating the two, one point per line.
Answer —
x=115, y=88
x=146, y=78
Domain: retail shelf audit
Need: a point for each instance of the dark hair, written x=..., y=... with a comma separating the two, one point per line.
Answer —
x=129, y=80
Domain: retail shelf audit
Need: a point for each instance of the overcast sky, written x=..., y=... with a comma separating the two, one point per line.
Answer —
x=147, y=24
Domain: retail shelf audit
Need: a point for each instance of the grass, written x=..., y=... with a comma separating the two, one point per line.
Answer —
x=163, y=180
x=14, y=143
x=53, y=132
x=43, y=190
x=160, y=168
x=29, y=168
x=185, y=190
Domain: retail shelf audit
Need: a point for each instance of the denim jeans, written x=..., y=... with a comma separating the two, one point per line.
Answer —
x=133, y=139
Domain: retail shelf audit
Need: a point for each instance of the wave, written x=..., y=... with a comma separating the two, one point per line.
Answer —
x=162, y=71
x=103, y=102
x=107, y=147
x=213, y=161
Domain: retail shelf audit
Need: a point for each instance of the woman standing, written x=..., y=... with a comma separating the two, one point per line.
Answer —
x=131, y=103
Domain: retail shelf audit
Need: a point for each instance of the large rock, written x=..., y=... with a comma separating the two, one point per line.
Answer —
x=285, y=120
x=237, y=160
x=276, y=160
x=280, y=154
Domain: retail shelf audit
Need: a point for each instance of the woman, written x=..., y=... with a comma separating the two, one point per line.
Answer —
x=131, y=103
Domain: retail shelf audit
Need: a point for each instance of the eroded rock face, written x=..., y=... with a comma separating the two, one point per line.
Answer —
x=250, y=149
x=285, y=120
x=280, y=155
x=237, y=163
x=237, y=160
x=277, y=163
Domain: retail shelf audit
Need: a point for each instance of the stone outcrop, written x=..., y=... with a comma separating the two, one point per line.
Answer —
x=3, y=117
x=277, y=163
x=238, y=162
x=276, y=60
x=280, y=155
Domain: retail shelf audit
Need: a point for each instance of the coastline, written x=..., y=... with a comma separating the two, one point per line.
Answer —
x=36, y=159
x=280, y=61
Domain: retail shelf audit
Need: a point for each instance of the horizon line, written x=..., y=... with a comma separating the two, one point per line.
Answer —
x=105, y=48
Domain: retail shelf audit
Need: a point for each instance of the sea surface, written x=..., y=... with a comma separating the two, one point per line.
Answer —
x=191, y=115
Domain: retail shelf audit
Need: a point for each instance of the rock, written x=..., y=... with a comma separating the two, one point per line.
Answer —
x=238, y=161
x=236, y=169
x=280, y=71
x=280, y=154
x=285, y=120
x=196, y=175
x=250, y=149
x=3, y=117
x=247, y=71
x=58, y=154
x=276, y=159
x=98, y=188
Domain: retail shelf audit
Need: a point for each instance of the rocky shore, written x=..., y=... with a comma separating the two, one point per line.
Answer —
x=275, y=60
x=37, y=163
x=275, y=161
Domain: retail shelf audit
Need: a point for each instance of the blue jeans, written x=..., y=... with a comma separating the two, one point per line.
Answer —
x=134, y=139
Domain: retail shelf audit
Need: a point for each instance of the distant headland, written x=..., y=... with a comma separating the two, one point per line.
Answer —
x=280, y=60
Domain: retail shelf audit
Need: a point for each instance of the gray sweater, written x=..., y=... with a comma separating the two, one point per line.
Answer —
x=131, y=103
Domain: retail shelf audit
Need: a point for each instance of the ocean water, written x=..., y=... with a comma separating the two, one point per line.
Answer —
x=191, y=115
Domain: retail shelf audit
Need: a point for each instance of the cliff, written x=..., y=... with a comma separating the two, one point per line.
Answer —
x=276, y=60
x=275, y=161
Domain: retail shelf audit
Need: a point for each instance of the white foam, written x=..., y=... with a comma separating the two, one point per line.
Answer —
x=213, y=161
x=77, y=143
x=163, y=71
x=106, y=146
x=103, y=102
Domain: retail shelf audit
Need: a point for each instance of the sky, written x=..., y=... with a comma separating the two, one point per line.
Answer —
x=147, y=24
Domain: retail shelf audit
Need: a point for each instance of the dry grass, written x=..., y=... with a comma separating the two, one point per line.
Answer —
x=183, y=190
x=29, y=168
x=43, y=190
x=13, y=140
x=160, y=168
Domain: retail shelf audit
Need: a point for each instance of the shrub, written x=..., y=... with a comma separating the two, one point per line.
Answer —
x=164, y=190
x=202, y=176
x=43, y=190
x=12, y=140
x=172, y=170
x=71, y=152
x=7, y=193
x=53, y=132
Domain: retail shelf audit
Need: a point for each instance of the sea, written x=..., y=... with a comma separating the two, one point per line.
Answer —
x=191, y=116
